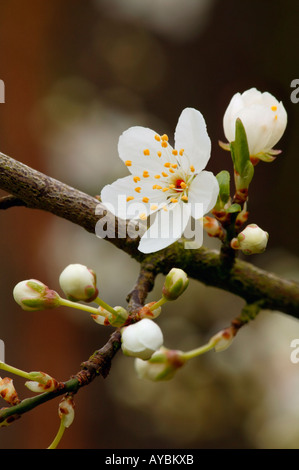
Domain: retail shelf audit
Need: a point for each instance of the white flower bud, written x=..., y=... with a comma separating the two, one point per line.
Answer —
x=66, y=411
x=43, y=382
x=161, y=366
x=8, y=391
x=223, y=339
x=264, y=120
x=251, y=240
x=141, y=339
x=79, y=283
x=119, y=318
x=34, y=295
x=175, y=284
x=146, y=312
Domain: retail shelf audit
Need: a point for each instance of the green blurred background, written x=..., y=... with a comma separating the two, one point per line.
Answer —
x=77, y=74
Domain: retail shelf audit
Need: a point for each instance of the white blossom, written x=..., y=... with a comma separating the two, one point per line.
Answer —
x=167, y=182
x=141, y=339
x=263, y=117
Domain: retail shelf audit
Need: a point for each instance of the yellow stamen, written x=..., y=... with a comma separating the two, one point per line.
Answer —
x=130, y=198
x=165, y=208
x=142, y=216
x=164, y=137
x=128, y=163
x=138, y=189
x=136, y=178
x=174, y=165
x=146, y=152
x=145, y=174
x=156, y=186
x=171, y=186
x=171, y=170
x=157, y=137
x=145, y=199
x=154, y=207
x=157, y=176
x=159, y=153
x=192, y=168
x=274, y=108
x=174, y=152
x=183, y=185
x=275, y=118
x=164, y=174
x=185, y=198
x=167, y=165
x=173, y=199
x=164, y=144
x=165, y=189
x=181, y=152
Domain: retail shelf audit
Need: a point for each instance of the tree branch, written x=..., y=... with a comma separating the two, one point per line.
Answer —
x=39, y=191
x=98, y=364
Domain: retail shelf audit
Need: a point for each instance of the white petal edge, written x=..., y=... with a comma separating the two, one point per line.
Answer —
x=204, y=189
x=167, y=228
x=191, y=135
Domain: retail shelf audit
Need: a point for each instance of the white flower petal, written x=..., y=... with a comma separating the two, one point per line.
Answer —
x=191, y=135
x=138, y=148
x=204, y=189
x=114, y=196
x=141, y=339
x=167, y=228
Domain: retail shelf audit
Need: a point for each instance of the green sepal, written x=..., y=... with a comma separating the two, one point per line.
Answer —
x=241, y=157
x=223, y=179
x=36, y=286
x=234, y=208
x=38, y=304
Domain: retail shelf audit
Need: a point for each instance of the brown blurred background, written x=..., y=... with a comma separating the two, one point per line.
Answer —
x=77, y=74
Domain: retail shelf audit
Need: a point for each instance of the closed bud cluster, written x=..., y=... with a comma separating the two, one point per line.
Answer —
x=161, y=366
x=66, y=410
x=251, y=240
x=176, y=282
x=141, y=339
x=42, y=382
x=34, y=295
x=79, y=283
x=8, y=391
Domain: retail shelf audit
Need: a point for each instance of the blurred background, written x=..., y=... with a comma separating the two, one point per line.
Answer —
x=77, y=74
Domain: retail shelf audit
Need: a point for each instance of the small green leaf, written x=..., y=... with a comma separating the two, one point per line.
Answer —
x=234, y=208
x=248, y=173
x=223, y=179
x=240, y=151
x=244, y=169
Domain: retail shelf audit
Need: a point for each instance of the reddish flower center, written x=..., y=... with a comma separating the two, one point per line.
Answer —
x=178, y=183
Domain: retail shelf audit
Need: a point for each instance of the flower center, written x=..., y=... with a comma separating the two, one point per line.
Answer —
x=178, y=184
